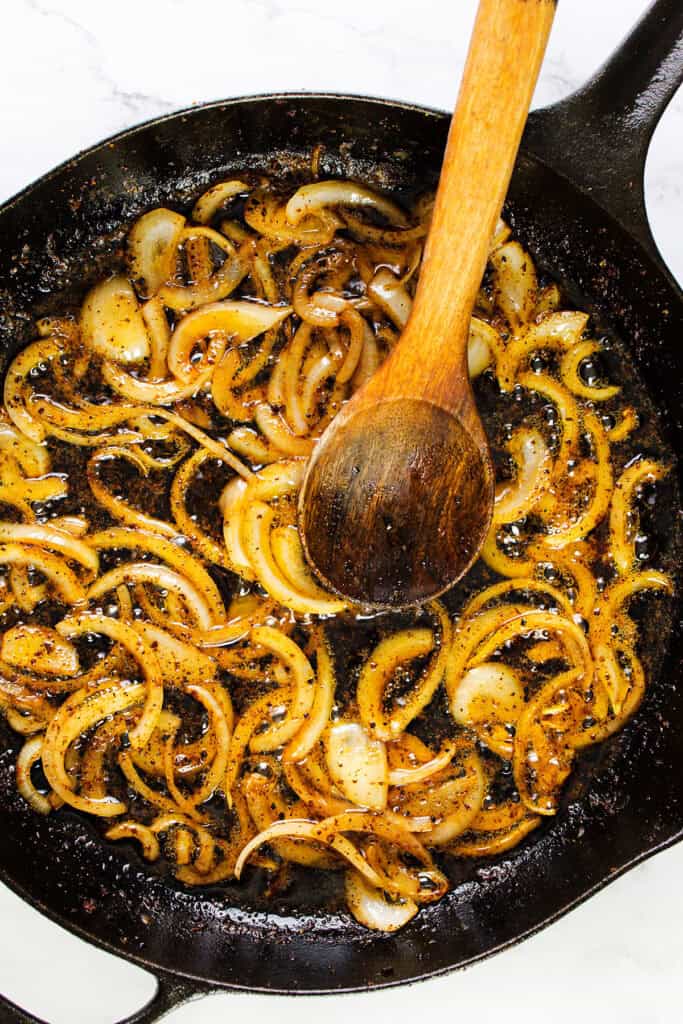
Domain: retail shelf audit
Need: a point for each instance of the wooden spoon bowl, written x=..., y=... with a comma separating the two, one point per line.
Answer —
x=406, y=549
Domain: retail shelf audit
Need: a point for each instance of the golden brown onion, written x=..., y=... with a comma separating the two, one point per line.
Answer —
x=112, y=324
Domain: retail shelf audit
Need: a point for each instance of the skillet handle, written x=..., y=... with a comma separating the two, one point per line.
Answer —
x=598, y=137
x=171, y=992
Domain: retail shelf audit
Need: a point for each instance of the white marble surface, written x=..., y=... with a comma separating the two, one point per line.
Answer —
x=74, y=71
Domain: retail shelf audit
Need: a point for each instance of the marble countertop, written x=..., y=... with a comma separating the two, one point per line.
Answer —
x=73, y=72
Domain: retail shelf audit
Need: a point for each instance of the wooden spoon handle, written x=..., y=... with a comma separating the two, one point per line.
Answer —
x=504, y=59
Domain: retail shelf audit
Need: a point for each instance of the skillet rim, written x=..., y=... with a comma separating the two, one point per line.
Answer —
x=230, y=101
x=199, y=984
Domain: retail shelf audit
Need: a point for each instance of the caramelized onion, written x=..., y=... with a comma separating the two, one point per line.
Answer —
x=532, y=459
x=215, y=197
x=39, y=649
x=371, y=907
x=622, y=513
x=385, y=659
x=131, y=641
x=357, y=764
x=53, y=538
x=135, y=830
x=112, y=323
x=314, y=197
x=321, y=708
x=489, y=699
x=153, y=244
x=29, y=755
x=240, y=321
x=391, y=296
x=80, y=712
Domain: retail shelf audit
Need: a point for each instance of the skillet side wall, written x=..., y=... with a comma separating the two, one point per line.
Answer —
x=626, y=806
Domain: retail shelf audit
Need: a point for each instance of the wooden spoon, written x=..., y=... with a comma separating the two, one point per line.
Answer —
x=398, y=494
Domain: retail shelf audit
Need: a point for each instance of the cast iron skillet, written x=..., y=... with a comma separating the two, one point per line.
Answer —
x=577, y=201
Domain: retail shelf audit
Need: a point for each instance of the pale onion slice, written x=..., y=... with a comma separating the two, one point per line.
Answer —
x=159, y=329
x=452, y=802
x=218, y=195
x=369, y=358
x=515, y=282
x=420, y=772
x=390, y=294
x=112, y=323
x=320, y=194
x=517, y=498
x=153, y=249
x=501, y=233
x=39, y=649
x=221, y=283
x=410, y=883
x=248, y=443
x=276, y=480
x=290, y=828
x=23, y=722
x=560, y=330
x=373, y=908
x=30, y=753
x=278, y=433
x=357, y=764
x=289, y=556
x=153, y=392
x=482, y=345
x=489, y=698
x=264, y=214
x=239, y=320
x=77, y=526
x=356, y=326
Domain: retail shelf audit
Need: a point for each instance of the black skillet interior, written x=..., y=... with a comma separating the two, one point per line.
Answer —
x=626, y=803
